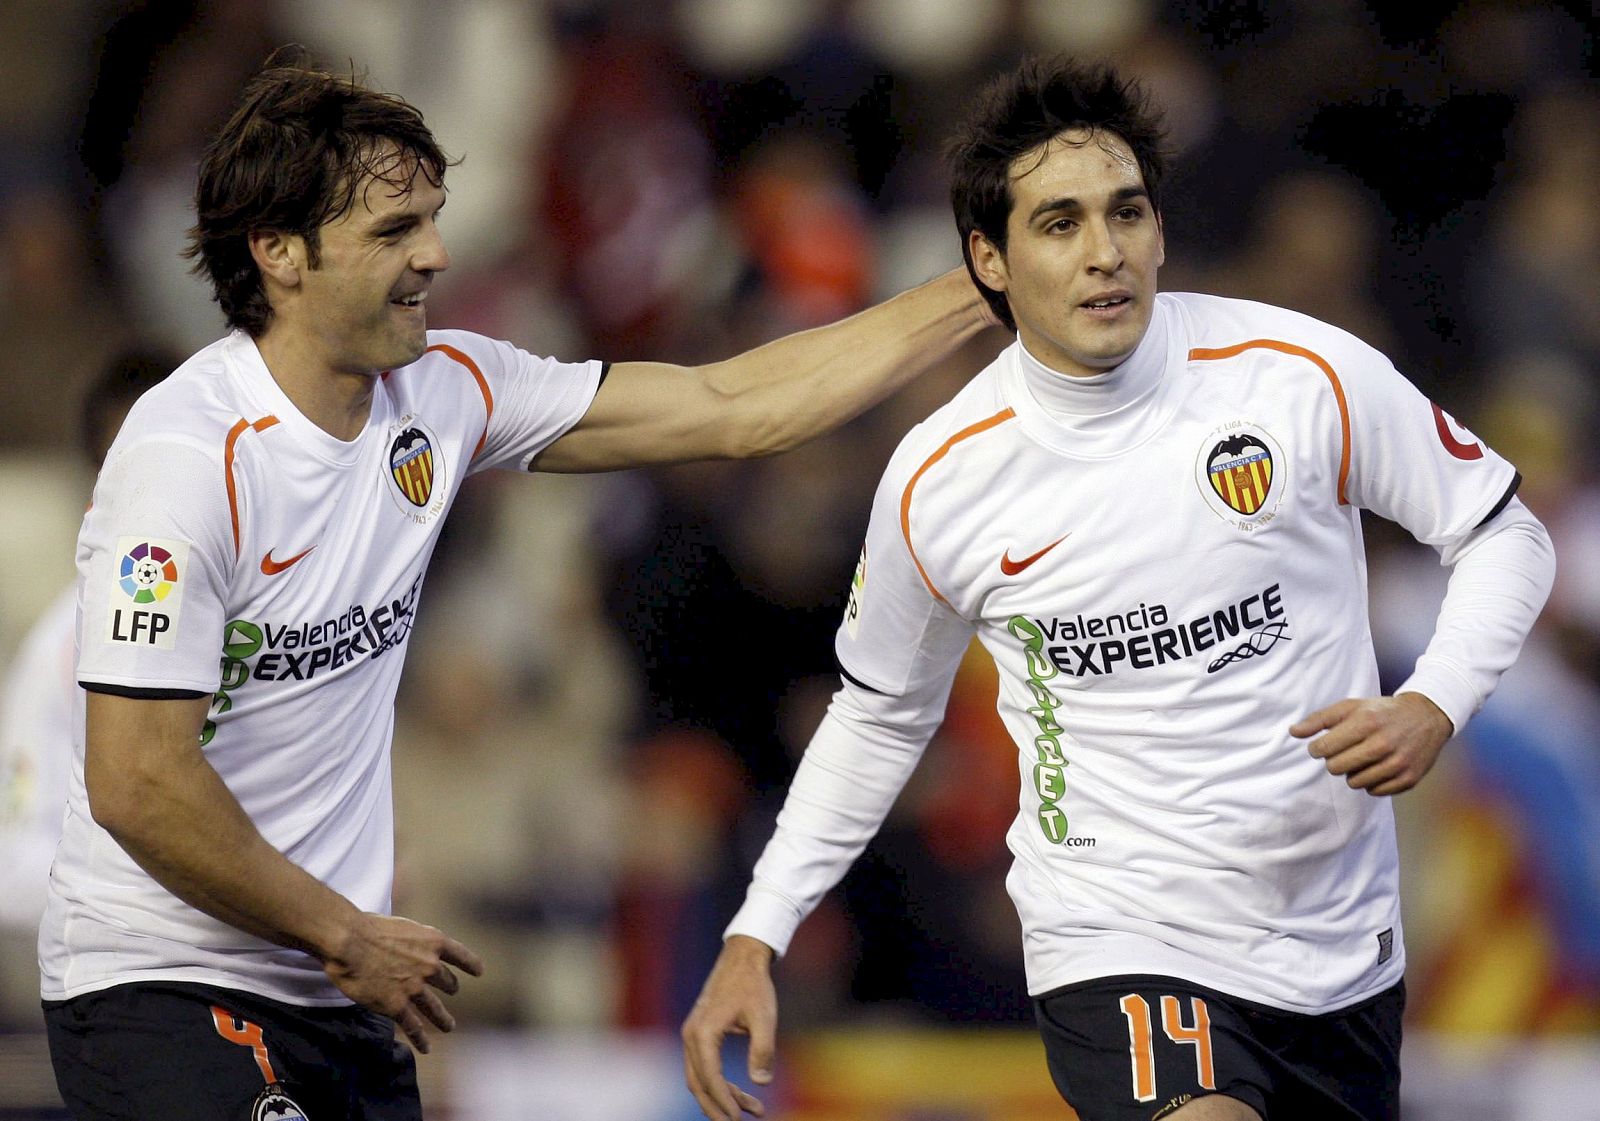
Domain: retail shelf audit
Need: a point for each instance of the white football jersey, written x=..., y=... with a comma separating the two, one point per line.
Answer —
x=236, y=549
x=1165, y=588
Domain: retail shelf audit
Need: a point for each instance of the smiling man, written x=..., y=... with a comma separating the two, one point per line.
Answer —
x=218, y=942
x=1148, y=511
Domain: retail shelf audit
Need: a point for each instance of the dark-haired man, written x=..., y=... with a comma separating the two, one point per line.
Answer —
x=1147, y=510
x=217, y=941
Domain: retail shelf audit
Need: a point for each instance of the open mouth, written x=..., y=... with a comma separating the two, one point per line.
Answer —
x=1106, y=303
x=415, y=300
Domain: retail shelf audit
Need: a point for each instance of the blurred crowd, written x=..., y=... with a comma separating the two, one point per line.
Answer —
x=613, y=676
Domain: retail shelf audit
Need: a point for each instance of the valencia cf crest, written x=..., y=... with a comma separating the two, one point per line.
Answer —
x=416, y=469
x=411, y=461
x=1241, y=474
x=272, y=1104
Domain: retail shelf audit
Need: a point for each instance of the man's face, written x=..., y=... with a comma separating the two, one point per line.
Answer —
x=1083, y=245
x=364, y=303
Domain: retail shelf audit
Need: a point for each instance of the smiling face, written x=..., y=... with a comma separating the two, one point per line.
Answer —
x=1083, y=245
x=361, y=309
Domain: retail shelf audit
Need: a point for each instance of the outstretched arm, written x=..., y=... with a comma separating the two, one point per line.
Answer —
x=152, y=789
x=856, y=764
x=1500, y=576
x=774, y=397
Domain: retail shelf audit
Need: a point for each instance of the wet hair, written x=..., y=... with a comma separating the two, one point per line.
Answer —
x=1020, y=111
x=120, y=382
x=289, y=160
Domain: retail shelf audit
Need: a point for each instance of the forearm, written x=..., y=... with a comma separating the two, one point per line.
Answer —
x=791, y=390
x=855, y=766
x=1499, y=580
x=172, y=813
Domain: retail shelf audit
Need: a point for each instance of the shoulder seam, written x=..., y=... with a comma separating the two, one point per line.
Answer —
x=239, y=429
x=463, y=359
x=1210, y=354
x=905, y=497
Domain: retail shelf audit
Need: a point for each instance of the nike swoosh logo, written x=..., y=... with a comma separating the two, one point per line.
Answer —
x=270, y=567
x=1012, y=567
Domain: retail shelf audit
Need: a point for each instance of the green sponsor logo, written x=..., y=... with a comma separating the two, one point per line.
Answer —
x=1049, y=774
x=241, y=639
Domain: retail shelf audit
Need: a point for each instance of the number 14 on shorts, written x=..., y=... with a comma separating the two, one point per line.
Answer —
x=1141, y=1034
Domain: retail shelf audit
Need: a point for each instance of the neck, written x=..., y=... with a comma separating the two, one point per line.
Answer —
x=336, y=401
x=1076, y=398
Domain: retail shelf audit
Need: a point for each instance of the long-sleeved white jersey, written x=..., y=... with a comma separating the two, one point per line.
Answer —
x=1166, y=564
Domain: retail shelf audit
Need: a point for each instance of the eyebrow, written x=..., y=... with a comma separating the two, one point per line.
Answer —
x=404, y=220
x=1067, y=203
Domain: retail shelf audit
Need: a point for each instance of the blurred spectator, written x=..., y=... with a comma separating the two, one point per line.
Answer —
x=1311, y=249
x=164, y=79
x=56, y=325
x=39, y=703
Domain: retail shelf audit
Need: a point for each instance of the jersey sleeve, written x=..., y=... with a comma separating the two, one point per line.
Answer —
x=897, y=637
x=155, y=557
x=531, y=401
x=1412, y=463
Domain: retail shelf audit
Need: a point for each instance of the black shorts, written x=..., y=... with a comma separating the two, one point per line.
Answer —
x=185, y=1052
x=1135, y=1048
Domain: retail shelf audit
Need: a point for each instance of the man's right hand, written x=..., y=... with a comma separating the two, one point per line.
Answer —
x=392, y=965
x=738, y=998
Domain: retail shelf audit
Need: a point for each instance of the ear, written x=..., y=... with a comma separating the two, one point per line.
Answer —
x=279, y=256
x=1161, y=241
x=988, y=262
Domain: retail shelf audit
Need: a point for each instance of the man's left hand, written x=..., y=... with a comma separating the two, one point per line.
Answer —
x=1382, y=745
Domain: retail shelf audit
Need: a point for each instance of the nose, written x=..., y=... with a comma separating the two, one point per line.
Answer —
x=1103, y=254
x=431, y=255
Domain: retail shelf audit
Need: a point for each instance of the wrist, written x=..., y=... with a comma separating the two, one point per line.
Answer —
x=741, y=949
x=332, y=932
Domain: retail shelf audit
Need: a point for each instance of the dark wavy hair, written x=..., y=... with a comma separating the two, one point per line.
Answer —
x=1018, y=112
x=290, y=160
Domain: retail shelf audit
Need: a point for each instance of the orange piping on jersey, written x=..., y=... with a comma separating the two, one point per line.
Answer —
x=1205, y=355
x=483, y=387
x=234, y=433
x=905, y=499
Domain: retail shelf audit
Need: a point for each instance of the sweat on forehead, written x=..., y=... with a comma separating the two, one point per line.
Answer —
x=389, y=168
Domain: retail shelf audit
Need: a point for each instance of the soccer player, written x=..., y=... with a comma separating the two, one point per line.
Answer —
x=217, y=942
x=1147, y=510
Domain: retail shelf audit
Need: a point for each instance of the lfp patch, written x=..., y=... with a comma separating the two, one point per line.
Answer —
x=149, y=574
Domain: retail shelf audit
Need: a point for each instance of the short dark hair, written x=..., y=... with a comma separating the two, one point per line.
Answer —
x=1019, y=111
x=120, y=382
x=289, y=160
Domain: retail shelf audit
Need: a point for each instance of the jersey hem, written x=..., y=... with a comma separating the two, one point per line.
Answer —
x=194, y=976
x=1201, y=978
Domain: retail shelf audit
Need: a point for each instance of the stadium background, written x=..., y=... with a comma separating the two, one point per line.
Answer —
x=613, y=675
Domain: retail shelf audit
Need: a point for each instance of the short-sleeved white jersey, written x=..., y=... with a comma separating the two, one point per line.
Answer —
x=234, y=548
x=1164, y=593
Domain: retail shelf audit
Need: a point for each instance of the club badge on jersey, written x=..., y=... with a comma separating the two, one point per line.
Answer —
x=416, y=468
x=272, y=1104
x=1240, y=470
